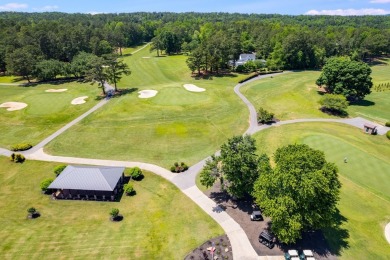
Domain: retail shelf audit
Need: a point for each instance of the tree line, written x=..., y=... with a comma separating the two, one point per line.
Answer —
x=45, y=40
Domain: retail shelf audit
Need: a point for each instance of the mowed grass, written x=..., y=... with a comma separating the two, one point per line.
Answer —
x=365, y=197
x=12, y=79
x=175, y=125
x=45, y=113
x=294, y=95
x=289, y=96
x=159, y=221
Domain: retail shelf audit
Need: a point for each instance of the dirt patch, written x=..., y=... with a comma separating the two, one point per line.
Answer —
x=241, y=210
x=13, y=106
x=193, y=88
x=147, y=93
x=56, y=90
x=79, y=100
x=219, y=245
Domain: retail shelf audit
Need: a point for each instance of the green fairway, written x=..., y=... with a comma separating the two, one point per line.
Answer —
x=12, y=79
x=289, y=96
x=294, y=95
x=45, y=113
x=365, y=197
x=159, y=221
x=175, y=125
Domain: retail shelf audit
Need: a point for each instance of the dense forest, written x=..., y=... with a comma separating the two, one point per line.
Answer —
x=45, y=45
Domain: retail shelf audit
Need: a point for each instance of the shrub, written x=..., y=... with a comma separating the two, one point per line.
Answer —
x=114, y=213
x=335, y=104
x=58, y=169
x=21, y=147
x=388, y=124
x=136, y=173
x=179, y=168
x=17, y=157
x=129, y=189
x=31, y=210
x=263, y=116
x=388, y=134
x=46, y=183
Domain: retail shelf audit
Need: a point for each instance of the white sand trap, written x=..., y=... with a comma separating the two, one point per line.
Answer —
x=193, y=88
x=56, y=90
x=79, y=100
x=145, y=57
x=147, y=93
x=12, y=106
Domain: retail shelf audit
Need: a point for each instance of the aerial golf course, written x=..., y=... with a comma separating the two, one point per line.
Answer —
x=179, y=125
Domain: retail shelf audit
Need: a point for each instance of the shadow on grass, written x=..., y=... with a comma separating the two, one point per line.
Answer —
x=362, y=103
x=336, y=235
x=59, y=81
x=117, y=94
x=332, y=112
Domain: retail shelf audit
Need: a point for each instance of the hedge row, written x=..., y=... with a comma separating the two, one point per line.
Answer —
x=254, y=75
x=21, y=147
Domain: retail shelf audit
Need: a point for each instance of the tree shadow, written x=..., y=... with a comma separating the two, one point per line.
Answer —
x=336, y=235
x=362, y=103
x=332, y=112
x=223, y=199
x=124, y=91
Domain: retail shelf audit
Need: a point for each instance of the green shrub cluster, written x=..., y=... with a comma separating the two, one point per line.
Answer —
x=388, y=134
x=31, y=210
x=254, y=75
x=388, y=124
x=46, y=183
x=58, y=169
x=179, y=167
x=135, y=173
x=17, y=157
x=263, y=116
x=21, y=147
x=114, y=212
x=129, y=189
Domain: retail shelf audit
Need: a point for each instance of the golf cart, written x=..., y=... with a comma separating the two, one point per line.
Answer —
x=267, y=239
x=256, y=215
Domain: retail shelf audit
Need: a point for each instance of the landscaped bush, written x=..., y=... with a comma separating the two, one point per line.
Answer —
x=136, y=173
x=32, y=213
x=45, y=184
x=114, y=213
x=17, y=157
x=58, y=169
x=388, y=124
x=129, y=189
x=388, y=134
x=21, y=147
x=179, y=168
x=263, y=116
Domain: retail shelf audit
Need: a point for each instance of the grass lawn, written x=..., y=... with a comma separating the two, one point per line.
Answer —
x=159, y=221
x=365, y=197
x=12, y=79
x=294, y=95
x=289, y=96
x=175, y=125
x=45, y=113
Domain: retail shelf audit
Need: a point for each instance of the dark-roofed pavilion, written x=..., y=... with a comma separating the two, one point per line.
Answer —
x=88, y=182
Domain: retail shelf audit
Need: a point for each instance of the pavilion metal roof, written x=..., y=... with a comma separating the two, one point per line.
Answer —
x=88, y=178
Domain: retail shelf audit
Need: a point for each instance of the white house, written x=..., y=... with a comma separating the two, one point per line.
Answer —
x=245, y=57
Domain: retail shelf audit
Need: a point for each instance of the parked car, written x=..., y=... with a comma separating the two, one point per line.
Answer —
x=267, y=239
x=256, y=215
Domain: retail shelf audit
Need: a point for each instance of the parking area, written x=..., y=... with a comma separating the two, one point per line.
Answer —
x=241, y=210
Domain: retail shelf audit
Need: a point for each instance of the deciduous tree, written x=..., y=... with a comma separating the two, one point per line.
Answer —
x=300, y=193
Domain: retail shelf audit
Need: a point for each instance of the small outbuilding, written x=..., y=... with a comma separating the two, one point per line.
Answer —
x=370, y=129
x=88, y=183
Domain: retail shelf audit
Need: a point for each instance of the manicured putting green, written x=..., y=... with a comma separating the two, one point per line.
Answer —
x=47, y=103
x=361, y=167
x=178, y=96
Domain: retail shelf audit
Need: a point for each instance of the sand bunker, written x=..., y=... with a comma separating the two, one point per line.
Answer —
x=12, y=106
x=193, y=88
x=79, y=100
x=147, y=93
x=56, y=90
x=145, y=57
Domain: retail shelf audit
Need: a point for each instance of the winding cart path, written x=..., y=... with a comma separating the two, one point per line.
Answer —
x=241, y=247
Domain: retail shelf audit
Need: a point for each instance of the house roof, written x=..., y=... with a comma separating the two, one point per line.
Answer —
x=247, y=56
x=88, y=178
